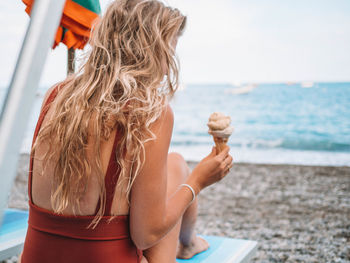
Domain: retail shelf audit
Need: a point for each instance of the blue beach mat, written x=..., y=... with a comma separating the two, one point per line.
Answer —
x=221, y=250
x=224, y=250
x=12, y=232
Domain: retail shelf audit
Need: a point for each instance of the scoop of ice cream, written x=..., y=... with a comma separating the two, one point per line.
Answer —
x=225, y=133
x=219, y=125
x=218, y=121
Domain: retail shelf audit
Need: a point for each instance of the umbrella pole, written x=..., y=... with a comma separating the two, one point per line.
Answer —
x=70, y=61
x=20, y=97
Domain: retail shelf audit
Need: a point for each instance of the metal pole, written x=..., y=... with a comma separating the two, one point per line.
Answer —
x=70, y=61
x=45, y=18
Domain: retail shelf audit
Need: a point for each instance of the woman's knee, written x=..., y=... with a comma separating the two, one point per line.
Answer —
x=176, y=157
x=178, y=170
x=177, y=163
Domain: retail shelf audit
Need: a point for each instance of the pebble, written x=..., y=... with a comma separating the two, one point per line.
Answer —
x=296, y=213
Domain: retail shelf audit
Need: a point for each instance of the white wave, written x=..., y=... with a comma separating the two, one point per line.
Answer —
x=266, y=143
x=249, y=155
x=270, y=156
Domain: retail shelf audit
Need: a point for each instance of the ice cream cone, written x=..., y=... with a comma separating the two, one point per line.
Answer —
x=220, y=129
x=220, y=143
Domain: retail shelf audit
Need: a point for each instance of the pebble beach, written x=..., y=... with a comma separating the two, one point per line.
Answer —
x=296, y=213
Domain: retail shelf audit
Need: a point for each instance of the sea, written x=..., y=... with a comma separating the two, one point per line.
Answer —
x=278, y=123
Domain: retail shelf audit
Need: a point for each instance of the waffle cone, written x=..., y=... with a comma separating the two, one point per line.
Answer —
x=220, y=143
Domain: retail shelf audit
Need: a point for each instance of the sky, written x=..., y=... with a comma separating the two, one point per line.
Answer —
x=228, y=41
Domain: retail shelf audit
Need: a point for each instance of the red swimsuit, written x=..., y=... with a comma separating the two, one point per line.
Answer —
x=54, y=238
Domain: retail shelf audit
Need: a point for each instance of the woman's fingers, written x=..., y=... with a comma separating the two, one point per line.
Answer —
x=212, y=154
x=213, y=151
x=228, y=160
x=226, y=170
x=226, y=165
x=223, y=154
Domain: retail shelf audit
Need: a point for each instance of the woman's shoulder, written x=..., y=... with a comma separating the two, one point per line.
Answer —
x=47, y=95
x=168, y=113
x=162, y=127
x=166, y=117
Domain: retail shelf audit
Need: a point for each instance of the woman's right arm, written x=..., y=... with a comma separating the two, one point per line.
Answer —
x=152, y=215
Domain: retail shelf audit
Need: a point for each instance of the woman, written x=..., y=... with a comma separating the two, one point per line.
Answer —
x=102, y=186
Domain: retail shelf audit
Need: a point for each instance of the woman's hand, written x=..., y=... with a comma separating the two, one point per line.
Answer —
x=211, y=169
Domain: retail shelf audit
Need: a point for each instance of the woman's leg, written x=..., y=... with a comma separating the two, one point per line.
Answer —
x=166, y=249
x=190, y=244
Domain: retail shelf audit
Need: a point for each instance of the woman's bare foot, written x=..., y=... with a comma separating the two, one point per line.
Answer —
x=196, y=246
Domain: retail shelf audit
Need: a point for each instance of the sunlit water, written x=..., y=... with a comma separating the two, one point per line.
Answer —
x=274, y=123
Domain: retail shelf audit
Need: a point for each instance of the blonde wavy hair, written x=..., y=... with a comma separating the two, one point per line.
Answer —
x=130, y=73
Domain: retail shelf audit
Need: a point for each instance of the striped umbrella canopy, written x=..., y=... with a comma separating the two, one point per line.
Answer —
x=77, y=20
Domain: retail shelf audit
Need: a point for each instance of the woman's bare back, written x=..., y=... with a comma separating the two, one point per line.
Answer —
x=42, y=179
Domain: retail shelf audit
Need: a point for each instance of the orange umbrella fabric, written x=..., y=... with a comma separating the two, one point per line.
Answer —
x=77, y=20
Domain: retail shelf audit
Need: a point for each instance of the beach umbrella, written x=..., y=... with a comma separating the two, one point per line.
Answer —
x=77, y=20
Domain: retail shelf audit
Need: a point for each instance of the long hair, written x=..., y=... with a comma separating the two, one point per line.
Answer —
x=129, y=74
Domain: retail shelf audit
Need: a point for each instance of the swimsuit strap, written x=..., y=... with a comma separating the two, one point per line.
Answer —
x=45, y=109
x=112, y=174
x=111, y=178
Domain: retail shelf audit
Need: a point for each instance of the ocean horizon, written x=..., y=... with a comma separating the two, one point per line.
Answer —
x=276, y=123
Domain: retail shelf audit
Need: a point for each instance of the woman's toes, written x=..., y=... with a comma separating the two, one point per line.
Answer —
x=196, y=246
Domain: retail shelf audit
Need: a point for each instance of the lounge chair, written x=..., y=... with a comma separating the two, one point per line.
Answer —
x=12, y=233
x=222, y=249
x=225, y=250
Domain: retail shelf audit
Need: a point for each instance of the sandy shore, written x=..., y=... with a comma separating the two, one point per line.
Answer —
x=296, y=213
